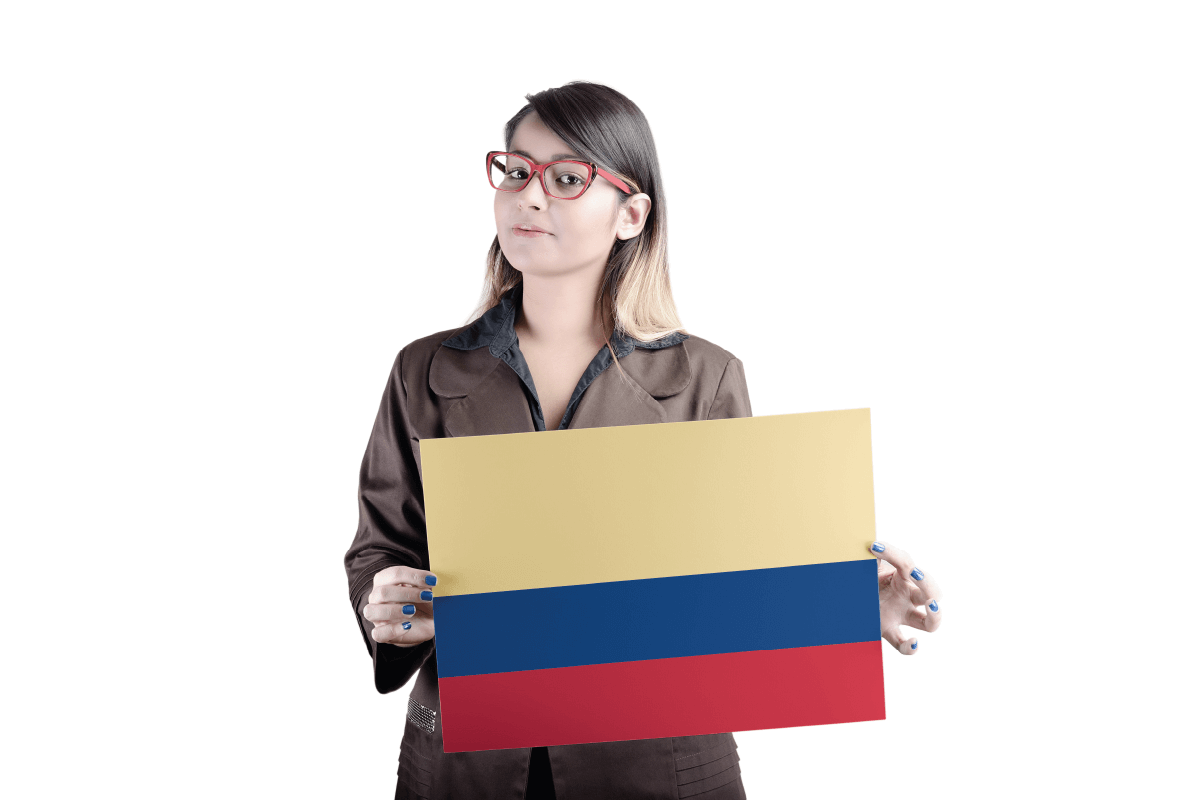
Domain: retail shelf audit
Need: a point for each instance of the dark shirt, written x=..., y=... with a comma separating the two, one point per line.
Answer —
x=495, y=331
x=540, y=785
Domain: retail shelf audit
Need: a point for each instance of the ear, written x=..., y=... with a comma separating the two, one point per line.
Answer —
x=633, y=215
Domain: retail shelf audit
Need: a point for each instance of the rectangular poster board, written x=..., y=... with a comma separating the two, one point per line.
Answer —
x=645, y=581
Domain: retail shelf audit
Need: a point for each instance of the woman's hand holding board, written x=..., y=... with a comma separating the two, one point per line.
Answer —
x=401, y=606
x=907, y=596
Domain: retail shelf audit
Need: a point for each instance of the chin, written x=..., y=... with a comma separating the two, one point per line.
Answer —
x=521, y=262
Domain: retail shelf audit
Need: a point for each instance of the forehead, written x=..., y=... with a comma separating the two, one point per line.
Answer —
x=542, y=144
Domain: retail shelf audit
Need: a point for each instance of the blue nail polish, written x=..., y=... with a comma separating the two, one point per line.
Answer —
x=409, y=609
x=933, y=605
x=917, y=574
x=914, y=645
x=431, y=580
x=877, y=548
x=406, y=625
x=426, y=595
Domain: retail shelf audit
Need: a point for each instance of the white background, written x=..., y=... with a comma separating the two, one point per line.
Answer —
x=979, y=222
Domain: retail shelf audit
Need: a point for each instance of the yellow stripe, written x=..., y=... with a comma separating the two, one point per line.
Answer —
x=560, y=508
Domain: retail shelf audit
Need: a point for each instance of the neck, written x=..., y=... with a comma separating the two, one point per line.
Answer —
x=561, y=310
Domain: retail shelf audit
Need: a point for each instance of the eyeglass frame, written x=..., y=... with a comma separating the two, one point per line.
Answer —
x=539, y=170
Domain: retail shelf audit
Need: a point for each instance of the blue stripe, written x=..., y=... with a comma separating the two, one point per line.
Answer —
x=685, y=615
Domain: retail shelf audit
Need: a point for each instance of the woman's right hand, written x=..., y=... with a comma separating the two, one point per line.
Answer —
x=397, y=590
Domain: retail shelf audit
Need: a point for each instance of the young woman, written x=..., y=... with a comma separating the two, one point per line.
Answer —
x=577, y=329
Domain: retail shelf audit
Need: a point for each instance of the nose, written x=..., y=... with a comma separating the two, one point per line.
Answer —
x=533, y=194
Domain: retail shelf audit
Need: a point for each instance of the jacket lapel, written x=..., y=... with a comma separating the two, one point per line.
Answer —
x=491, y=399
x=614, y=399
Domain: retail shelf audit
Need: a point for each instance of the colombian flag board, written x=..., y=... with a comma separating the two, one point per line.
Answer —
x=645, y=581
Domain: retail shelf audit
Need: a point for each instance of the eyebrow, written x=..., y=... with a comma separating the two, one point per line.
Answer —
x=558, y=157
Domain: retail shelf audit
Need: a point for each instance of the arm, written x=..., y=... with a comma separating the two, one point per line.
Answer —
x=391, y=526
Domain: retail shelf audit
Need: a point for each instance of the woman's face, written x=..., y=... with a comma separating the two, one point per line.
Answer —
x=579, y=233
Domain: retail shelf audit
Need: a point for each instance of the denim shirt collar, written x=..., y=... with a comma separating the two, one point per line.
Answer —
x=495, y=330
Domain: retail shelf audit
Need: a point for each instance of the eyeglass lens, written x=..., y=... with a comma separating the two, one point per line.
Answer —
x=564, y=179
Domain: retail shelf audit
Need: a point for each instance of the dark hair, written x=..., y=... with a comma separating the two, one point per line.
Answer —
x=606, y=127
x=603, y=126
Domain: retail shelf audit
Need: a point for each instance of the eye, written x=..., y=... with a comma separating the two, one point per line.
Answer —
x=571, y=179
x=516, y=172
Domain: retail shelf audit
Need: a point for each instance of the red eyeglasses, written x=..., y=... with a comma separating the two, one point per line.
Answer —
x=509, y=172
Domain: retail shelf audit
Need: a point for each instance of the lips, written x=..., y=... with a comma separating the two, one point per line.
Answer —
x=528, y=229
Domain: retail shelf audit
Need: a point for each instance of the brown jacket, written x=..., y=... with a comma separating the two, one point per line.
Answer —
x=471, y=381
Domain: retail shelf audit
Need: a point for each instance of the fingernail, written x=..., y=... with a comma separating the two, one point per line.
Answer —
x=426, y=595
x=933, y=605
x=431, y=580
x=406, y=625
x=877, y=547
x=914, y=645
x=917, y=574
x=413, y=609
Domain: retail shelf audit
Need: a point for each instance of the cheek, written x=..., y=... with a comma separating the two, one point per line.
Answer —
x=595, y=220
x=504, y=211
x=581, y=228
x=605, y=211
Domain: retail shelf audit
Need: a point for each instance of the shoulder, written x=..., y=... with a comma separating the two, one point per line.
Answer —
x=706, y=350
x=720, y=375
x=412, y=362
x=708, y=359
x=423, y=350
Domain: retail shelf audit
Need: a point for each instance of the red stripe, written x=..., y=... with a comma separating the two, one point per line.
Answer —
x=664, y=697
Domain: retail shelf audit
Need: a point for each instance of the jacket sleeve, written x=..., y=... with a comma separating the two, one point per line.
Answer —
x=391, y=526
x=733, y=397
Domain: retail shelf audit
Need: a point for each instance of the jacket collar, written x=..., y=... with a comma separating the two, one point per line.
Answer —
x=481, y=363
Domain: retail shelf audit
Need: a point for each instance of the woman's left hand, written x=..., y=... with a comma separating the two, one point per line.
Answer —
x=907, y=596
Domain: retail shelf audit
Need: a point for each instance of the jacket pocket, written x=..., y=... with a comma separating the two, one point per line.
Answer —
x=697, y=773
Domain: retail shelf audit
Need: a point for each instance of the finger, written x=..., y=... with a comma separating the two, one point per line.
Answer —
x=929, y=589
x=894, y=556
x=933, y=615
x=397, y=634
x=386, y=632
x=897, y=640
x=392, y=612
x=409, y=575
x=904, y=565
x=923, y=617
x=400, y=593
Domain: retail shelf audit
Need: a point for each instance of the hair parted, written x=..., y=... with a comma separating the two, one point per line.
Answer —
x=605, y=127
